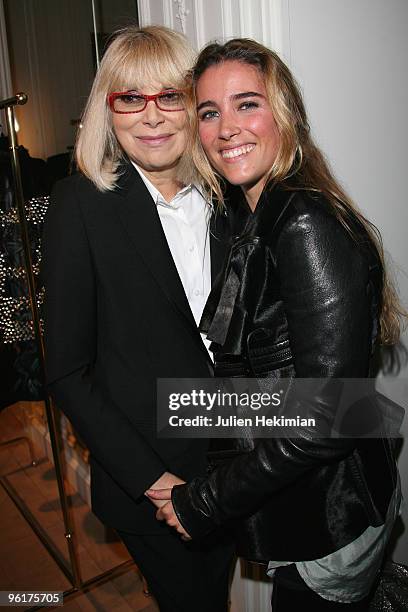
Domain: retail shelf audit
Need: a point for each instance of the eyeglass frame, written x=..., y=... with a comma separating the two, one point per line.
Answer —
x=153, y=98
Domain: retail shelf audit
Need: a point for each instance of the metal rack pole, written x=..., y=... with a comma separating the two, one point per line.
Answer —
x=55, y=435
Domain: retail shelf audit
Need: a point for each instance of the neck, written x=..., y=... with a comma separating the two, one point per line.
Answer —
x=166, y=183
x=253, y=193
x=251, y=199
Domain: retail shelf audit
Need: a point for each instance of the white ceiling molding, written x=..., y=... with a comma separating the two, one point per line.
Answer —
x=206, y=20
x=271, y=24
x=143, y=8
x=246, y=14
x=168, y=13
x=199, y=24
x=227, y=19
x=182, y=14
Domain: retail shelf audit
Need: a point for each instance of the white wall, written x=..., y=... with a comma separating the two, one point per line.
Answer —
x=350, y=58
x=205, y=20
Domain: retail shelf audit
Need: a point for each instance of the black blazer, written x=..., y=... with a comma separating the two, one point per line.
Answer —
x=116, y=319
x=299, y=298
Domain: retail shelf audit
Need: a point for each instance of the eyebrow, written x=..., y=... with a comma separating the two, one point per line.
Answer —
x=239, y=96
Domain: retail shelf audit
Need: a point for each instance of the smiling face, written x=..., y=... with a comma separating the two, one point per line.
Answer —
x=154, y=139
x=236, y=125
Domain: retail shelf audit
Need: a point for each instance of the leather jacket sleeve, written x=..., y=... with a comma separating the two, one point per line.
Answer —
x=324, y=280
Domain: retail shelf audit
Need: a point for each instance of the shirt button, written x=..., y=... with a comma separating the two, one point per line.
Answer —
x=191, y=249
x=197, y=292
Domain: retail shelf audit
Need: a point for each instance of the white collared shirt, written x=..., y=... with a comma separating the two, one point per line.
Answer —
x=185, y=222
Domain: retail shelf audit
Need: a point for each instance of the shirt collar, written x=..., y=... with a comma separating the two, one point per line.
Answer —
x=158, y=199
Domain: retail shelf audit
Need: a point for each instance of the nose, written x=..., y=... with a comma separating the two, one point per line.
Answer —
x=152, y=114
x=228, y=126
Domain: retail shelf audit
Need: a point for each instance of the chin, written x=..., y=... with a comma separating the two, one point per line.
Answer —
x=240, y=180
x=235, y=182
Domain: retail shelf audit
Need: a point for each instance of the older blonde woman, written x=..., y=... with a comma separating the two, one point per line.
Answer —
x=123, y=305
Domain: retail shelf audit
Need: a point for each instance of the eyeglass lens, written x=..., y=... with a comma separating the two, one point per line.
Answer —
x=133, y=102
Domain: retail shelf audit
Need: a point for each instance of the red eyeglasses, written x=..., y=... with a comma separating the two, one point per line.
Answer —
x=125, y=102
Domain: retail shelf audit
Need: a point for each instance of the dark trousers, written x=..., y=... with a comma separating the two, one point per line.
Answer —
x=184, y=576
x=290, y=594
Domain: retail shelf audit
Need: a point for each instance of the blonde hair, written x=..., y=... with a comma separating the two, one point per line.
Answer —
x=134, y=58
x=299, y=163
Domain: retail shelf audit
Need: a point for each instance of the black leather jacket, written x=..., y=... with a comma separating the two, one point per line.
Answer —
x=299, y=297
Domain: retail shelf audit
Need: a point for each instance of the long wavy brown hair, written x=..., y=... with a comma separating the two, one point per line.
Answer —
x=299, y=163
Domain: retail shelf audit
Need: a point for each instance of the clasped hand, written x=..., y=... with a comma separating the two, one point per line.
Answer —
x=161, y=497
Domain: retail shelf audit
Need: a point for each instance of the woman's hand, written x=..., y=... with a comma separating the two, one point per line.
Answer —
x=166, y=511
x=166, y=482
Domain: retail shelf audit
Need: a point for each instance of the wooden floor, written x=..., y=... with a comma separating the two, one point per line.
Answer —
x=26, y=565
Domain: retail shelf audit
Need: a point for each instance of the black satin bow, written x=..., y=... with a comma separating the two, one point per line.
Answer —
x=219, y=309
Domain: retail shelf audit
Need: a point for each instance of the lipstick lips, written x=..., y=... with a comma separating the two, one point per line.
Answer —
x=156, y=140
x=236, y=152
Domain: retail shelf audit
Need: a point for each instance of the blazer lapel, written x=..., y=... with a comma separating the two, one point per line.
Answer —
x=141, y=222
